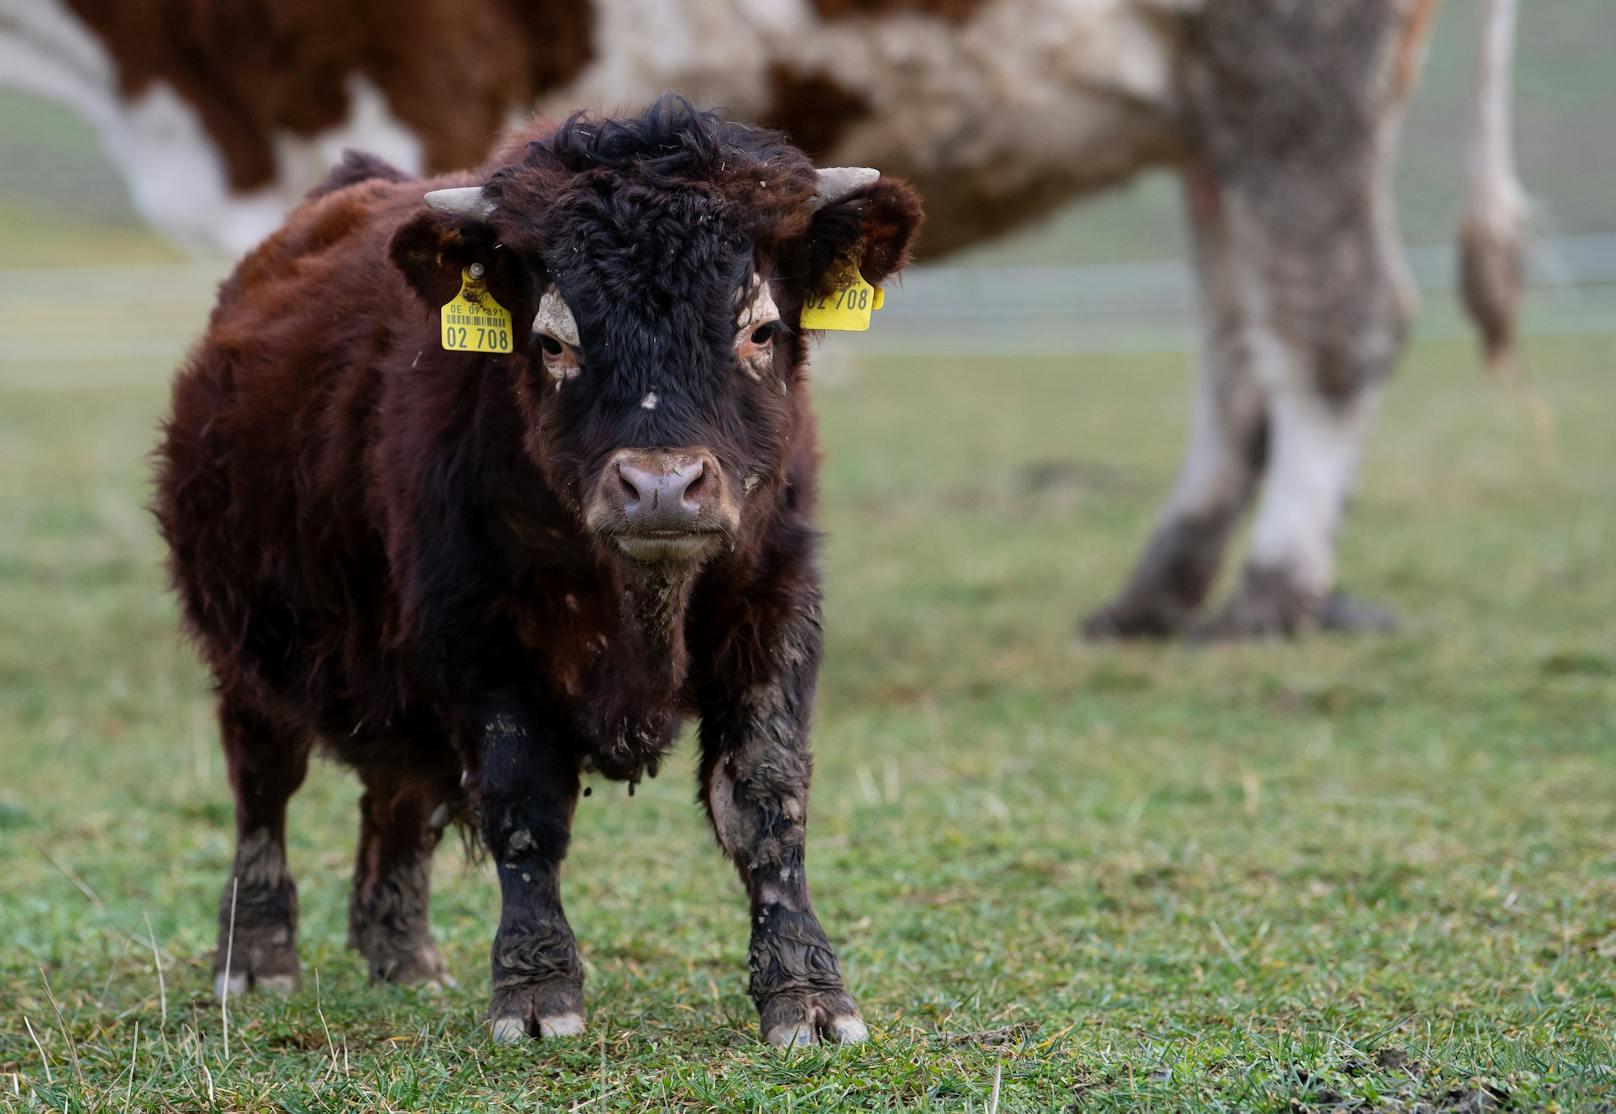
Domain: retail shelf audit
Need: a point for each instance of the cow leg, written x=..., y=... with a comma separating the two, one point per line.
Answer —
x=527, y=788
x=1286, y=584
x=754, y=781
x=1298, y=118
x=400, y=822
x=267, y=761
x=1227, y=443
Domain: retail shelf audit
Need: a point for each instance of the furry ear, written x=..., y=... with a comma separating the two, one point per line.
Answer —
x=433, y=247
x=876, y=224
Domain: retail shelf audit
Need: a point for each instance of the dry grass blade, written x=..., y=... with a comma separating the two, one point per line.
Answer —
x=61, y=1023
x=224, y=983
x=157, y=962
x=43, y=1059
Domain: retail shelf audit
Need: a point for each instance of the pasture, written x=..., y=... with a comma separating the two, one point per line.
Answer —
x=1339, y=875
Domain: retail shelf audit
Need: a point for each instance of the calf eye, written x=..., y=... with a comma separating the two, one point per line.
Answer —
x=551, y=346
x=763, y=333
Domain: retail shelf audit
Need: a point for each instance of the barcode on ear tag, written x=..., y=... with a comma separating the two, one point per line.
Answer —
x=845, y=309
x=473, y=321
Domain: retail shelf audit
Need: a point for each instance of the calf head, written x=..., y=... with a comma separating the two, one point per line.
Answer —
x=656, y=268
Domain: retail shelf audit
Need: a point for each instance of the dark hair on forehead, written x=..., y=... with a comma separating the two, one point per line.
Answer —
x=671, y=139
x=671, y=145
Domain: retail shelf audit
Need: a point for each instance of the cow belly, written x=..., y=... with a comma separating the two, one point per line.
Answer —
x=1023, y=105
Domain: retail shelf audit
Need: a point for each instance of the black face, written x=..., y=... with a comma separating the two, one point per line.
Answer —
x=662, y=260
x=661, y=372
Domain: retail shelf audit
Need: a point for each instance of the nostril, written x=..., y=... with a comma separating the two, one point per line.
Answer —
x=630, y=490
x=697, y=483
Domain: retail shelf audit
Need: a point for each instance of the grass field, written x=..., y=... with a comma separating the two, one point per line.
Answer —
x=1340, y=875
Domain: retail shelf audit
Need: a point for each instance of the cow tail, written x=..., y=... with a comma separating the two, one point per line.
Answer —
x=1492, y=245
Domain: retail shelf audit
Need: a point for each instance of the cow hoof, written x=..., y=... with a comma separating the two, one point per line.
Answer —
x=828, y=1018
x=508, y=1030
x=846, y=1029
x=849, y=1029
x=260, y=959
x=1345, y=615
x=563, y=1025
x=1116, y=623
x=226, y=985
x=418, y=966
x=280, y=985
x=239, y=983
x=785, y=1036
x=515, y=1030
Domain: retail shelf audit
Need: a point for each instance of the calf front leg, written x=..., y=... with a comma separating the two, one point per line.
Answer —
x=527, y=790
x=755, y=773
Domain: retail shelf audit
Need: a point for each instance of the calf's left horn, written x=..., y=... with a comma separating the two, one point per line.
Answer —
x=463, y=201
x=836, y=182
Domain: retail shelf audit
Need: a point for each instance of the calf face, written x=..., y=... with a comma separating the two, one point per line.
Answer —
x=658, y=266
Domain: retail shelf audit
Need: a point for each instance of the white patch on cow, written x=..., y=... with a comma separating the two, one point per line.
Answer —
x=1314, y=448
x=649, y=401
x=46, y=51
x=1026, y=95
x=174, y=171
x=1025, y=92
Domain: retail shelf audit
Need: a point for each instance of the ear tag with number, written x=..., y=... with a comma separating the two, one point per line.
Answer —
x=847, y=308
x=472, y=320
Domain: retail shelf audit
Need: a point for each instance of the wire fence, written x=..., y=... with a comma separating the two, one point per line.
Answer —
x=138, y=315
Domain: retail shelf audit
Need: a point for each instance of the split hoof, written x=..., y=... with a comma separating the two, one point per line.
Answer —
x=515, y=1030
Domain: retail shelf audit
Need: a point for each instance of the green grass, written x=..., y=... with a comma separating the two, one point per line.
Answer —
x=1357, y=875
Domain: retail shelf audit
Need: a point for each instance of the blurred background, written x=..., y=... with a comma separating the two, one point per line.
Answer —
x=1261, y=876
x=1104, y=275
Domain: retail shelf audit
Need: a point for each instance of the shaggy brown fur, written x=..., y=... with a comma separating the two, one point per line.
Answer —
x=384, y=546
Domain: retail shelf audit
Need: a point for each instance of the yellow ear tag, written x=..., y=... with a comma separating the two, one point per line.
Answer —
x=846, y=308
x=880, y=298
x=472, y=320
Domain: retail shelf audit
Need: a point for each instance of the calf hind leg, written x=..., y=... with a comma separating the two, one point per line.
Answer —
x=267, y=760
x=400, y=823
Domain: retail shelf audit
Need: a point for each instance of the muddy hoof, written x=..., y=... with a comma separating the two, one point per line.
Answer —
x=1115, y=623
x=1346, y=615
x=829, y=1018
x=536, y=1011
x=261, y=958
x=1265, y=605
x=417, y=965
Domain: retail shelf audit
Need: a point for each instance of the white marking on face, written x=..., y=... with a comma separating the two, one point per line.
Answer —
x=557, y=333
x=754, y=337
x=555, y=318
x=649, y=401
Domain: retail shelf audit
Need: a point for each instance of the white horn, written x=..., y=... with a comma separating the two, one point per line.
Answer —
x=465, y=201
x=836, y=182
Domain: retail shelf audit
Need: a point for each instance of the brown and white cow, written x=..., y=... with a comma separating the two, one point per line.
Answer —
x=1281, y=115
